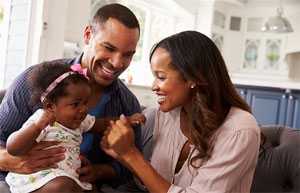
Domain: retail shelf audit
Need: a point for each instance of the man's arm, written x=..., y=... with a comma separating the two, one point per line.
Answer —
x=129, y=106
x=40, y=157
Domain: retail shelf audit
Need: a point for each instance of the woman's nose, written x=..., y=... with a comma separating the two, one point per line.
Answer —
x=154, y=86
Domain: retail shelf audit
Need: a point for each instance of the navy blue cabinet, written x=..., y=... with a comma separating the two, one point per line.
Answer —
x=273, y=106
x=293, y=110
x=268, y=107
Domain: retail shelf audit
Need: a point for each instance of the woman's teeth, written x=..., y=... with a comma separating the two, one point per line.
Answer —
x=161, y=98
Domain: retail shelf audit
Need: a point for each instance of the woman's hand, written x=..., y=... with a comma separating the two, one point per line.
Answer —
x=118, y=140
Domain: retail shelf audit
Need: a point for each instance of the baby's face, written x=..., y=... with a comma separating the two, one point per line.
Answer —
x=71, y=110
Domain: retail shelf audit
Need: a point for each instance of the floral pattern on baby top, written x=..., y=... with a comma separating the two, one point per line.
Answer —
x=70, y=139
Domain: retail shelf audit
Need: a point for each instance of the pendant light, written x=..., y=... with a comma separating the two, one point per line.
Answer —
x=278, y=23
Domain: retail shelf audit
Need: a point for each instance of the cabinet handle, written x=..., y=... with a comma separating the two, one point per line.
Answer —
x=291, y=97
x=283, y=96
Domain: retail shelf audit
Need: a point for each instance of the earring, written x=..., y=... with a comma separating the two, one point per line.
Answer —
x=193, y=85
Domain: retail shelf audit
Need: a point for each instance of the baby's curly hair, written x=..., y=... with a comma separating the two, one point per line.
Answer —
x=42, y=75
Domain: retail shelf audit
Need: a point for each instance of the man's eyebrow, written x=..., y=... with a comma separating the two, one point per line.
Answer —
x=130, y=52
x=109, y=44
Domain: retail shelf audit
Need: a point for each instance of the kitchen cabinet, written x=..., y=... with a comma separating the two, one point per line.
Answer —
x=273, y=106
x=293, y=110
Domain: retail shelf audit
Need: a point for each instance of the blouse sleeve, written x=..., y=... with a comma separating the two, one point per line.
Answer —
x=234, y=158
x=87, y=123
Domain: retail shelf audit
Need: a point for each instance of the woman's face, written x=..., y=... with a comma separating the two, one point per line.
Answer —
x=171, y=88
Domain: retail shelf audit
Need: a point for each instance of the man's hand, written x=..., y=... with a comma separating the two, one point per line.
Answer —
x=90, y=173
x=42, y=156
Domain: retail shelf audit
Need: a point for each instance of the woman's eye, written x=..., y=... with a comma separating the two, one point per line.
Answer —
x=160, y=78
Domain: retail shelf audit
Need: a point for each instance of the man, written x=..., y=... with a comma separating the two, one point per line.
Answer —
x=110, y=43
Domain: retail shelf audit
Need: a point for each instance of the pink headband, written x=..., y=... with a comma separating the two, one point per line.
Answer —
x=54, y=84
x=79, y=69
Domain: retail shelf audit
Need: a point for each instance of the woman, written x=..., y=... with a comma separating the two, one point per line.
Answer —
x=205, y=138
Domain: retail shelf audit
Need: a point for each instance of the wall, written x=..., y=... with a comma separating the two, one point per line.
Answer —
x=77, y=17
x=14, y=58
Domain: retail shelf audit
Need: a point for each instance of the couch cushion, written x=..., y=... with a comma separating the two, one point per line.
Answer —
x=278, y=167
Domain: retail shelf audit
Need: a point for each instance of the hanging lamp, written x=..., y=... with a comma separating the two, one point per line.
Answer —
x=278, y=23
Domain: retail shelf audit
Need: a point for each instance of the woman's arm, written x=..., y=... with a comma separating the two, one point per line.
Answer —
x=101, y=124
x=154, y=182
x=21, y=141
x=119, y=143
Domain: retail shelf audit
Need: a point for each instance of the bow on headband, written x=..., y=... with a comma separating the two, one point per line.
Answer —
x=79, y=69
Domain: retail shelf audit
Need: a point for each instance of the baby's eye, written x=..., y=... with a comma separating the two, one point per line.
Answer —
x=76, y=104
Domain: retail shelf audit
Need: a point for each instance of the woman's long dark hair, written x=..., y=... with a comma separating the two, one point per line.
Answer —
x=198, y=59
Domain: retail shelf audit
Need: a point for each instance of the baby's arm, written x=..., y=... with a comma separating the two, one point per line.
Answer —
x=101, y=124
x=21, y=141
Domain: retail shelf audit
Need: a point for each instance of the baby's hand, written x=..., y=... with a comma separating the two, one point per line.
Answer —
x=47, y=118
x=136, y=119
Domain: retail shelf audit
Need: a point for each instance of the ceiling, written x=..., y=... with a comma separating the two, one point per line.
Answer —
x=268, y=1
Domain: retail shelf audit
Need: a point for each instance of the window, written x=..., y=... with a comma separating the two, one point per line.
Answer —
x=156, y=24
x=14, y=38
x=4, y=16
x=235, y=23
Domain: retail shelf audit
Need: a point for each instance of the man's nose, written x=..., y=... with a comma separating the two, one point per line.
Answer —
x=117, y=61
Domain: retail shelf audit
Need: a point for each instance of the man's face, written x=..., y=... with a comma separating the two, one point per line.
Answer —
x=109, y=50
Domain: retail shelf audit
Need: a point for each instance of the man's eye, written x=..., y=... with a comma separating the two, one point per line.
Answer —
x=109, y=48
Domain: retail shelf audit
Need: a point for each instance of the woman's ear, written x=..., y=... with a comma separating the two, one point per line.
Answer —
x=191, y=84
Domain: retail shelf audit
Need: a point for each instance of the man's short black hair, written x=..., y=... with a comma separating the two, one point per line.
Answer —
x=118, y=12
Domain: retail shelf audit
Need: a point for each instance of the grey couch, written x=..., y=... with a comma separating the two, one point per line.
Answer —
x=278, y=168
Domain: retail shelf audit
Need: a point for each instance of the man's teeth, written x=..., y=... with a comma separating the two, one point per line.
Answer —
x=161, y=98
x=107, y=71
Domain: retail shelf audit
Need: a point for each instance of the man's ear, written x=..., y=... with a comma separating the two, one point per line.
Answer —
x=87, y=34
